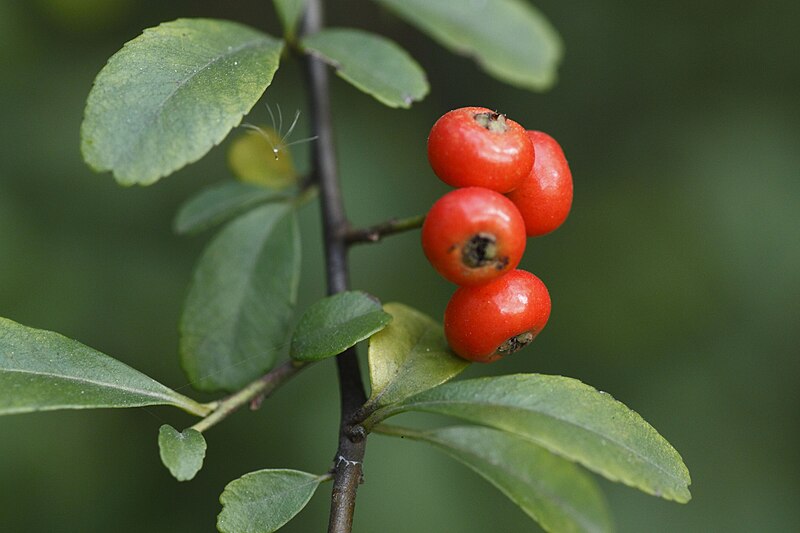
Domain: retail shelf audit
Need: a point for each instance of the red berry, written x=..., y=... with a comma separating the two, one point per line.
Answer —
x=544, y=198
x=477, y=147
x=486, y=322
x=473, y=235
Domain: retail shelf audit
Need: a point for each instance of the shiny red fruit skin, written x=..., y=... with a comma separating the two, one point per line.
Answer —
x=480, y=319
x=465, y=153
x=473, y=235
x=544, y=198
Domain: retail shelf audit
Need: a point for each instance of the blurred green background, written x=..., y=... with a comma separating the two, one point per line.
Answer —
x=675, y=281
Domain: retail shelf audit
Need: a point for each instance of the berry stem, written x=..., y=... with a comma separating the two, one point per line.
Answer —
x=349, y=457
x=375, y=233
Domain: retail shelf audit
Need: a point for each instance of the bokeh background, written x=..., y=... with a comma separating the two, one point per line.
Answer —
x=676, y=279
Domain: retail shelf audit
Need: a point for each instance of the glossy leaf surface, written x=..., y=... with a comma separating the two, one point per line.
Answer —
x=241, y=300
x=509, y=39
x=555, y=492
x=42, y=370
x=371, y=63
x=336, y=323
x=409, y=356
x=220, y=202
x=570, y=419
x=263, y=501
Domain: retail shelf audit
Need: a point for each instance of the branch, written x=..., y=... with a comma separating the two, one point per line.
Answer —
x=263, y=386
x=347, y=468
x=378, y=231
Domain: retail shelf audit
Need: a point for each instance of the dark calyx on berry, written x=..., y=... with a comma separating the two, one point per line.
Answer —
x=515, y=343
x=494, y=122
x=481, y=250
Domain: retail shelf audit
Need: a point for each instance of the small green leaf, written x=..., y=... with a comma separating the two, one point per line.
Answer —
x=263, y=501
x=553, y=491
x=509, y=39
x=336, y=323
x=220, y=202
x=372, y=63
x=41, y=371
x=241, y=300
x=252, y=159
x=171, y=94
x=409, y=356
x=568, y=418
x=181, y=452
x=289, y=12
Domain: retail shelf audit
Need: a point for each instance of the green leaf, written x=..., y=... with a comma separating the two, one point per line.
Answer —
x=372, y=63
x=263, y=501
x=336, y=323
x=251, y=159
x=568, y=418
x=41, y=371
x=222, y=201
x=168, y=96
x=241, y=300
x=509, y=39
x=181, y=452
x=553, y=491
x=409, y=356
x=289, y=11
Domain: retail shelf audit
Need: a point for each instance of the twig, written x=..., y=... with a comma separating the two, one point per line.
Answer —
x=263, y=386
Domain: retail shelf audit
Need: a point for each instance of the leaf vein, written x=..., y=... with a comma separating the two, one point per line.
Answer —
x=156, y=395
x=156, y=113
x=568, y=509
x=563, y=420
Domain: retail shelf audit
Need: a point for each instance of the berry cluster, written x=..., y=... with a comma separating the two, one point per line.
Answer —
x=510, y=184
